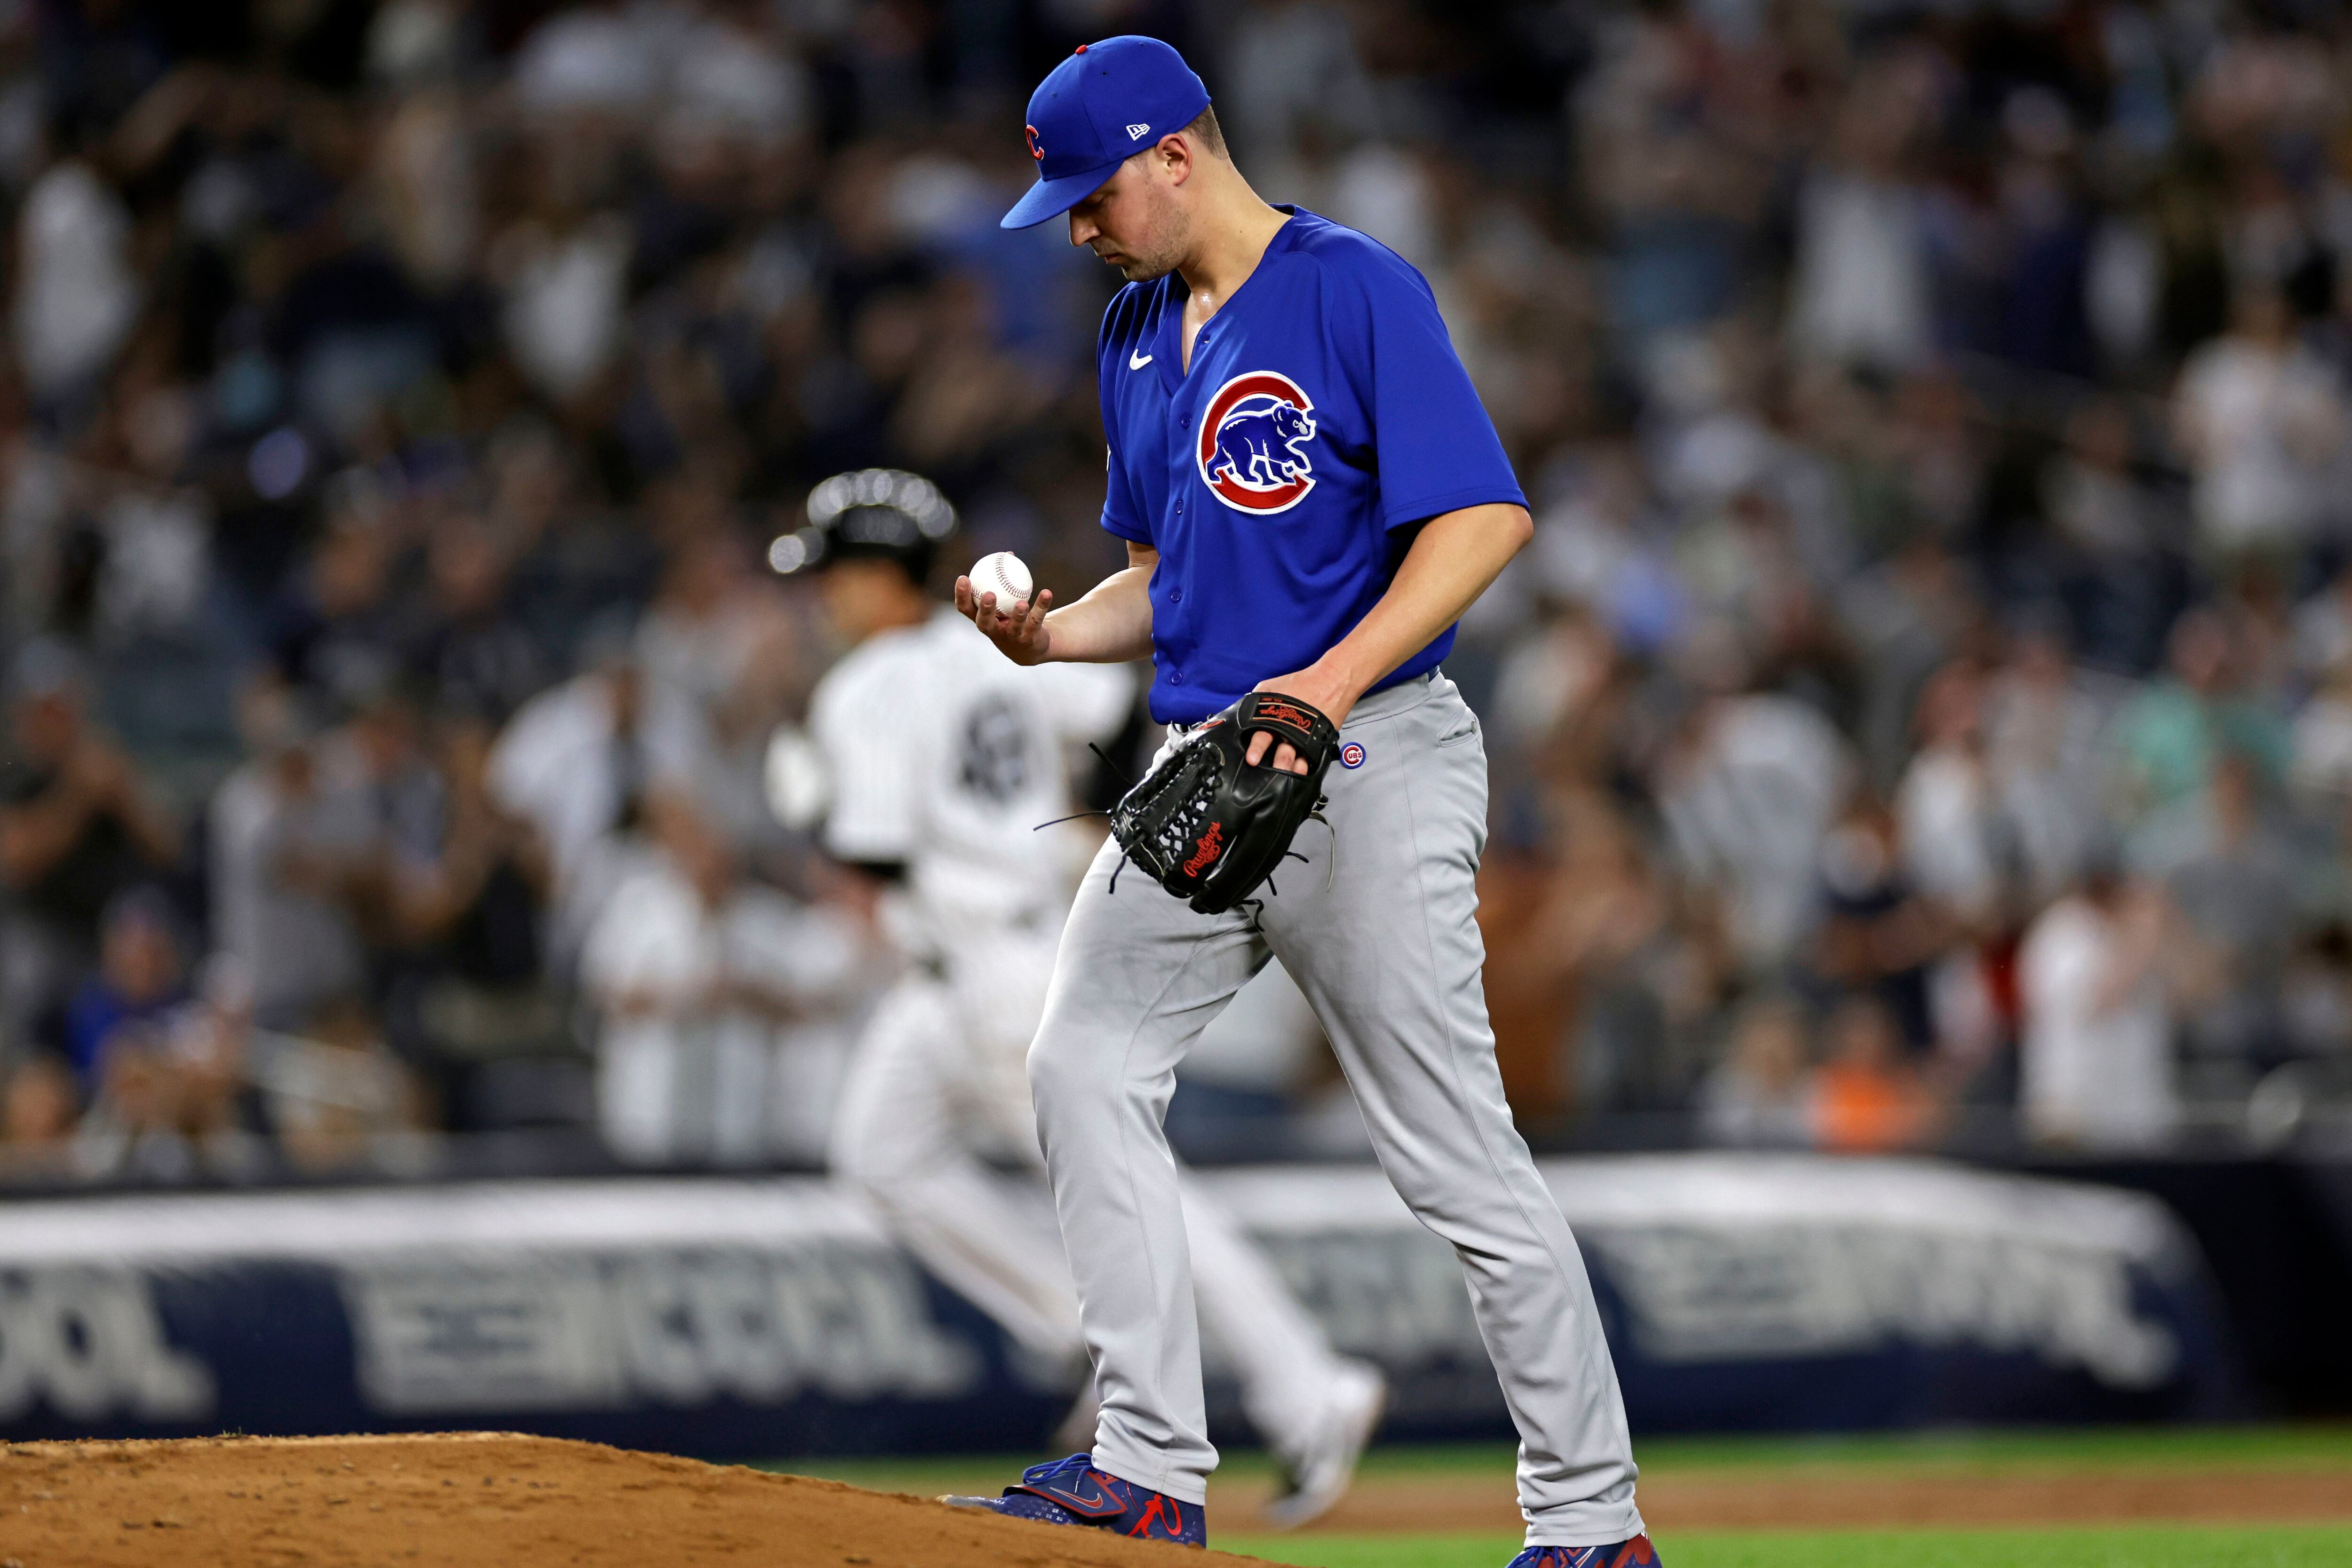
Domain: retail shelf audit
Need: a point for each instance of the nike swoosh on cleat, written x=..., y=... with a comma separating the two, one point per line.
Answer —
x=1137, y=362
x=1099, y=1505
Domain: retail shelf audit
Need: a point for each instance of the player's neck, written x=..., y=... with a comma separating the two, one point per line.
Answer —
x=1236, y=227
x=895, y=616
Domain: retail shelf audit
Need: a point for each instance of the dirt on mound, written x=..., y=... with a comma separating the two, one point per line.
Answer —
x=492, y=1499
x=504, y=1500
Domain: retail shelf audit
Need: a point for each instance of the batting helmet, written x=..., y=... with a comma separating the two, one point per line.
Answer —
x=884, y=513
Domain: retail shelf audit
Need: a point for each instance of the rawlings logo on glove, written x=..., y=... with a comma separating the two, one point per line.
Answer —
x=1208, y=826
x=1205, y=854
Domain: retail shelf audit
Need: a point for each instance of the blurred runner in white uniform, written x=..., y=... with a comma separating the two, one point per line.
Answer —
x=934, y=763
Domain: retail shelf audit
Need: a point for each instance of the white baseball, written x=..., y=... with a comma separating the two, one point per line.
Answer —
x=1004, y=575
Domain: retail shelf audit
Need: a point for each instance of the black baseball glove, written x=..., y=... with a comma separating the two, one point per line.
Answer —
x=1206, y=825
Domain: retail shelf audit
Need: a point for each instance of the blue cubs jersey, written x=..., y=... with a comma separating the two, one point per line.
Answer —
x=1324, y=412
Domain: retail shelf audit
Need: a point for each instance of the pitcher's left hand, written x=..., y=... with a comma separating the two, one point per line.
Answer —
x=1327, y=694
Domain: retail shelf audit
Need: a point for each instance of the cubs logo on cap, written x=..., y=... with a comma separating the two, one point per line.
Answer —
x=1254, y=436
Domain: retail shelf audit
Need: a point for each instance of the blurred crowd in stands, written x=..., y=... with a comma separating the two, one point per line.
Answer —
x=1926, y=709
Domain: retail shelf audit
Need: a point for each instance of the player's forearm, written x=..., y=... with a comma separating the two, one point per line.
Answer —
x=1451, y=563
x=1111, y=625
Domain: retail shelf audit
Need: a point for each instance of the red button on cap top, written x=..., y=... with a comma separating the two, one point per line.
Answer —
x=1079, y=50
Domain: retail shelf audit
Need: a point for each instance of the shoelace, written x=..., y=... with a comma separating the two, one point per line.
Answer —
x=1079, y=1463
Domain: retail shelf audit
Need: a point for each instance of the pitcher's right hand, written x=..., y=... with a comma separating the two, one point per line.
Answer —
x=1019, y=632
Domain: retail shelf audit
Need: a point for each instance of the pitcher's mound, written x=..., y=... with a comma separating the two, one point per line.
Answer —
x=494, y=1499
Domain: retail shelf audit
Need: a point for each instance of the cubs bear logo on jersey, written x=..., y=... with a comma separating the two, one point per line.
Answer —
x=1253, y=434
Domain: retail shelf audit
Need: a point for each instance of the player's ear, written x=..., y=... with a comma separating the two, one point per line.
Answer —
x=1176, y=155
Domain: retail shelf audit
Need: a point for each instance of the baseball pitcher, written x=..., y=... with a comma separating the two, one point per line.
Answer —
x=1310, y=495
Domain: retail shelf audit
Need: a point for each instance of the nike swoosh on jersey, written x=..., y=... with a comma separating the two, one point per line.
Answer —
x=1137, y=362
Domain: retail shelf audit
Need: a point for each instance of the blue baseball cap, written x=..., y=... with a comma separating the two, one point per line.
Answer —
x=1095, y=110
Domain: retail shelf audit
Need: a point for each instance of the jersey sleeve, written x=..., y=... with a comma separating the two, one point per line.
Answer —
x=1438, y=451
x=870, y=738
x=1120, y=515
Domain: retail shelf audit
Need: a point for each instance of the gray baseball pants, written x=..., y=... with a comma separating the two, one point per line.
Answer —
x=1379, y=928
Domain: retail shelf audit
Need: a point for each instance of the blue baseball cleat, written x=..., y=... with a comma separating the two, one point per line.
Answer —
x=1072, y=1491
x=1635, y=1554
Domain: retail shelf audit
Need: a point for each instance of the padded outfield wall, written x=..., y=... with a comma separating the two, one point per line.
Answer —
x=766, y=1317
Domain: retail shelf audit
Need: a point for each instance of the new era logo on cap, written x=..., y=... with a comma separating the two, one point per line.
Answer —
x=1135, y=132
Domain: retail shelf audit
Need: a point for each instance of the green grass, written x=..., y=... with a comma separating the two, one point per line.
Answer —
x=2191, y=1449
x=2261, y=1546
x=2298, y=1447
x=2253, y=1447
